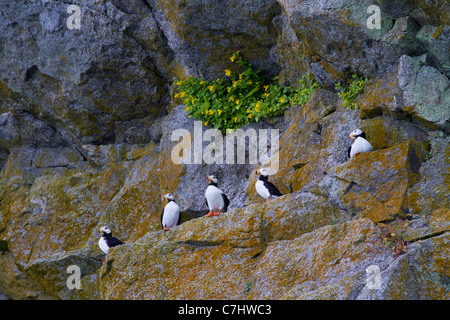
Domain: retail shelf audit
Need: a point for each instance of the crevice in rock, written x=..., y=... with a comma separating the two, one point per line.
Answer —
x=349, y=187
x=202, y=243
x=30, y=72
x=428, y=236
x=160, y=31
x=107, y=269
x=4, y=245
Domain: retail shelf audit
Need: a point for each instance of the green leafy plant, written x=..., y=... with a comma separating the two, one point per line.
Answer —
x=349, y=94
x=307, y=85
x=393, y=239
x=427, y=156
x=248, y=286
x=241, y=98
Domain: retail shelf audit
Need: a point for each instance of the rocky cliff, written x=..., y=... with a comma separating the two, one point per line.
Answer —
x=86, y=121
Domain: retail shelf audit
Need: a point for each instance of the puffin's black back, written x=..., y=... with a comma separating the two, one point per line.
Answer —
x=226, y=202
x=270, y=186
x=111, y=241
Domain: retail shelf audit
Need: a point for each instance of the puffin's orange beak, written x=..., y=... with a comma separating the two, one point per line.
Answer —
x=208, y=178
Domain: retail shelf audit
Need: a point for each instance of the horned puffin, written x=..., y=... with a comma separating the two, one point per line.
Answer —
x=264, y=187
x=170, y=216
x=360, y=145
x=216, y=200
x=107, y=241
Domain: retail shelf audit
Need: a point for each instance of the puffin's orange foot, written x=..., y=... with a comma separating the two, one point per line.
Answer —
x=209, y=214
x=166, y=229
x=216, y=213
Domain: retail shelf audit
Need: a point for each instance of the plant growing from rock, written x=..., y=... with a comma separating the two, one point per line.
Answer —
x=393, y=239
x=248, y=286
x=307, y=85
x=241, y=98
x=349, y=94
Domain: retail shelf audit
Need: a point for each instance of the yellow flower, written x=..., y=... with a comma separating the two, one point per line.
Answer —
x=248, y=110
x=178, y=83
x=237, y=101
x=241, y=75
x=281, y=99
x=344, y=94
x=187, y=109
x=182, y=94
x=250, y=116
x=266, y=87
x=249, y=82
x=257, y=106
x=267, y=95
x=177, y=95
x=235, y=119
x=229, y=89
x=211, y=88
x=360, y=83
x=232, y=58
x=231, y=98
x=206, y=123
x=227, y=72
x=202, y=82
x=219, y=112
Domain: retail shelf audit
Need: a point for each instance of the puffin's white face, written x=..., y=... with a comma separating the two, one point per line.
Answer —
x=168, y=197
x=212, y=179
x=262, y=172
x=355, y=133
x=104, y=229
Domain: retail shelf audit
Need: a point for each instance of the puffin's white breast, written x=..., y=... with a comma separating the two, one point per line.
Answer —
x=214, y=198
x=171, y=215
x=359, y=146
x=261, y=189
x=103, y=245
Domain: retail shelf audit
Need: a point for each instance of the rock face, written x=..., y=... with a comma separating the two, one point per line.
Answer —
x=200, y=33
x=86, y=140
x=231, y=258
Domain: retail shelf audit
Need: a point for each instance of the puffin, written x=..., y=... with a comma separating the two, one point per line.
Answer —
x=360, y=145
x=107, y=241
x=170, y=216
x=264, y=187
x=216, y=200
